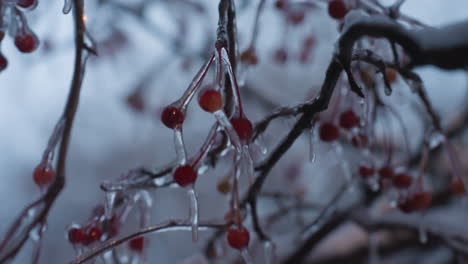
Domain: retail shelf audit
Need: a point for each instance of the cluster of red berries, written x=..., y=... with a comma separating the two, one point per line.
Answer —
x=25, y=40
x=210, y=100
x=348, y=120
x=409, y=202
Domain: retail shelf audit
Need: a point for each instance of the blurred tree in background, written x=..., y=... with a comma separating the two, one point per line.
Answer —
x=233, y=131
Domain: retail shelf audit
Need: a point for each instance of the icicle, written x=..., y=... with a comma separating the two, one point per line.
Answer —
x=232, y=78
x=363, y=104
x=455, y=163
x=193, y=86
x=67, y=6
x=422, y=233
x=246, y=256
x=435, y=139
x=374, y=184
x=259, y=143
x=343, y=162
x=232, y=134
x=269, y=252
x=312, y=141
x=242, y=74
x=373, y=255
x=193, y=212
x=109, y=204
x=180, y=146
x=248, y=164
x=37, y=245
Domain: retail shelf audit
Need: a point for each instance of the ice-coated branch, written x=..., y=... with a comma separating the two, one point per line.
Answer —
x=171, y=225
x=35, y=214
x=445, y=47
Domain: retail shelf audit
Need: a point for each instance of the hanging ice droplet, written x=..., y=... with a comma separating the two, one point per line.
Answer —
x=36, y=233
x=343, y=162
x=226, y=124
x=242, y=74
x=260, y=143
x=193, y=213
x=269, y=251
x=248, y=163
x=202, y=169
x=435, y=139
x=109, y=204
x=312, y=141
x=422, y=234
x=246, y=256
x=67, y=6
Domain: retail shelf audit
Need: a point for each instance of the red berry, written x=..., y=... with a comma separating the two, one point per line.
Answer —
x=296, y=17
x=337, y=9
x=172, y=117
x=185, y=175
x=402, y=180
x=243, y=127
x=386, y=172
x=210, y=100
x=329, y=132
x=136, y=102
x=391, y=75
x=238, y=238
x=416, y=202
x=26, y=42
x=25, y=3
x=76, y=236
x=280, y=4
x=3, y=62
x=43, y=175
x=457, y=186
x=94, y=234
x=366, y=172
x=349, y=119
x=137, y=244
x=249, y=57
x=280, y=56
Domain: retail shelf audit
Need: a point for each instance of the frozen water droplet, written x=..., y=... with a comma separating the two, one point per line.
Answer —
x=202, y=169
x=422, y=234
x=248, y=163
x=343, y=162
x=193, y=213
x=312, y=141
x=159, y=181
x=109, y=204
x=36, y=233
x=67, y=6
x=269, y=251
x=260, y=143
x=226, y=124
x=435, y=139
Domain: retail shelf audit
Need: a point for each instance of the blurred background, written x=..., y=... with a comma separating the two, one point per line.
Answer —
x=155, y=51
